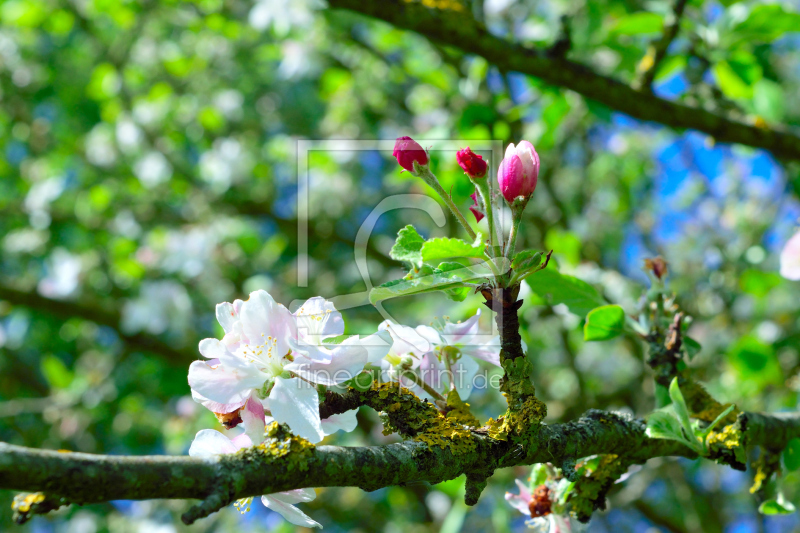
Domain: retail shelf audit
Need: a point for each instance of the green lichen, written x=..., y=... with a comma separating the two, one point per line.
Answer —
x=404, y=413
x=280, y=443
x=588, y=494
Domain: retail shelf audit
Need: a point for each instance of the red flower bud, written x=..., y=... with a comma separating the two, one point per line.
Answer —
x=518, y=172
x=476, y=209
x=407, y=150
x=472, y=163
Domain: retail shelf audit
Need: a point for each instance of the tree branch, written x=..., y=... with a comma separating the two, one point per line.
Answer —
x=658, y=51
x=98, y=315
x=460, y=30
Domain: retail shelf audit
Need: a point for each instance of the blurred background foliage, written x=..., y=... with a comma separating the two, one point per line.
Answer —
x=149, y=171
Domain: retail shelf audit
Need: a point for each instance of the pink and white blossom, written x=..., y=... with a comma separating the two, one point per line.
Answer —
x=518, y=172
x=552, y=523
x=277, y=358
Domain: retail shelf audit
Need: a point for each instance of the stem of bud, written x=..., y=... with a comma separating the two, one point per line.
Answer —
x=428, y=177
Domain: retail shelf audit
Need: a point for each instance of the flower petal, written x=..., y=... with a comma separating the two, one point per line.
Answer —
x=222, y=384
x=346, y=422
x=790, y=258
x=216, y=407
x=209, y=442
x=262, y=316
x=347, y=360
x=226, y=316
x=254, y=419
x=318, y=319
x=215, y=349
x=296, y=403
x=295, y=496
x=464, y=371
x=288, y=511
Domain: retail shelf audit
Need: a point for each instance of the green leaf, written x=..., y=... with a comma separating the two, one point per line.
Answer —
x=361, y=382
x=56, y=372
x=679, y=404
x=662, y=424
x=757, y=282
x=776, y=506
x=691, y=346
x=766, y=23
x=408, y=246
x=639, y=24
x=458, y=294
x=556, y=288
x=768, y=100
x=445, y=248
x=730, y=83
x=755, y=362
x=438, y=281
x=603, y=323
x=791, y=455
x=526, y=259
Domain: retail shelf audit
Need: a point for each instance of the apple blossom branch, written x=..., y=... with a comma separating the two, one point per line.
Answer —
x=71, y=477
x=460, y=30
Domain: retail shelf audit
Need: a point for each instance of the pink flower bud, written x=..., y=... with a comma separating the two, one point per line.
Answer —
x=518, y=172
x=407, y=150
x=476, y=209
x=472, y=163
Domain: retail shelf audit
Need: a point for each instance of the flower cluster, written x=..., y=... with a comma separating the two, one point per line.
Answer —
x=538, y=504
x=272, y=363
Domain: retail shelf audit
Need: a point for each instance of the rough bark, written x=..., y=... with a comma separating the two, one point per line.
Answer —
x=88, y=478
x=460, y=30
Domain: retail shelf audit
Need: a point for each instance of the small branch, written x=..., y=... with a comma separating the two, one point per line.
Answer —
x=658, y=50
x=99, y=315
x=460, y=31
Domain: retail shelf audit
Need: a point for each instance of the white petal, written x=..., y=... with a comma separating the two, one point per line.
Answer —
x=377, y=345
x=429, y=334
x=226, y=316
x=242, y=441
x=489, y=352
x=347, y=360
x=209, y=442
x=527, y=158
x=406, y=340
x=346, y=422
x=216, y=407
x=454, y=333
x=224, y=385
x=318, y=319
x=289, y=512
x=263, y=317
x=510, y=150
x=295, y=496
x=296, y=403
x=464, y=371
x=215, y=349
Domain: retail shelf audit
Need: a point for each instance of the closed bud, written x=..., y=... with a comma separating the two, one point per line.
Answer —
x=472, y=163
x=518, y=172
x=407, y=150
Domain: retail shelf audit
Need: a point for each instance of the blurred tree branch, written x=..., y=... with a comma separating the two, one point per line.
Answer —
x=459, y=29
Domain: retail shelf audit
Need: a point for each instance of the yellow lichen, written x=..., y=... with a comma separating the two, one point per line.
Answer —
x=280, y=442
x=23, y=502
x=445, y=5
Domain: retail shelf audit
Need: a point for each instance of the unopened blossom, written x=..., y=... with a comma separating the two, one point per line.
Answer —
x=277, y=357
x=518, y=172
x=209, y=442
x=790, y=258
x=471, y=163
x=476, y=209
x=407, y=150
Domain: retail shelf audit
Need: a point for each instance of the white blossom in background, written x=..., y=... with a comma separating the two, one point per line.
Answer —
x=229, y=102
x=283, y=15
x=188, y=252
x=161, y=306
x=39, y=197
x=129, y=136
x=266, y=348
x=63, y=274
x=152, y=169
x=790, y=258
x=225, y=164
x=100, y=149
